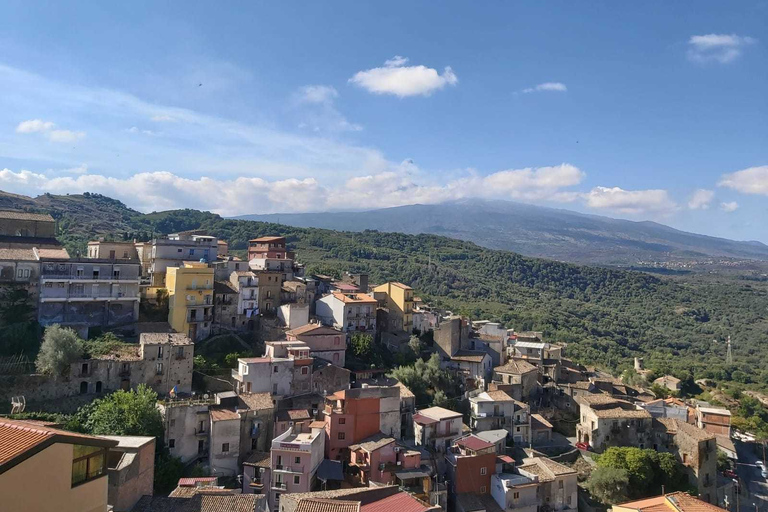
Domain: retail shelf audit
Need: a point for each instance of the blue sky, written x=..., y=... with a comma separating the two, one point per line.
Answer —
x=646, y=110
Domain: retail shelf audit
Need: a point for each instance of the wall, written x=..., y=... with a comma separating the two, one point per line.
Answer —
x=128, y=485
x=468, y=477
x=183, y=424
x=27, y=228
x=225, y=431
x=330, y=378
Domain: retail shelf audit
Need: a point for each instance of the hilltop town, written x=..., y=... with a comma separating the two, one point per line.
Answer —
x=276, y=389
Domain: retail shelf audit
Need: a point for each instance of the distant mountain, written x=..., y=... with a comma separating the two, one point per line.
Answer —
x=535, y=231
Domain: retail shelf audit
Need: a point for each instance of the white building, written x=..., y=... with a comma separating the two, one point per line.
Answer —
x=348, y=312
x=296, y=455
x=247, y=285
x=437, y=427
x=225, y=441
x=174, y=250
x=293, y=315
x=515, y=492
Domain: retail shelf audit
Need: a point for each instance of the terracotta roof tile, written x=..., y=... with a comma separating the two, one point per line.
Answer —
x=515, y=367
x=401, y=502
x=473, y=443
x=223, y=414
x=17, y=215
x=373, y=443
x=327, y=505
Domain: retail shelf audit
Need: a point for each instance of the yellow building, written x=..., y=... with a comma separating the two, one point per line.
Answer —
x=398, y=298
x=46, y=469
x=190, y=299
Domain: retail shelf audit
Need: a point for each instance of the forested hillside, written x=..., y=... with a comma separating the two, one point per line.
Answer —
x=606, y=316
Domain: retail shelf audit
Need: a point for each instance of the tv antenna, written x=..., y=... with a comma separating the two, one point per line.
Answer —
x=728, y=352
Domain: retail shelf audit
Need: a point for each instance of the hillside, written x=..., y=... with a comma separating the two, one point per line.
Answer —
x=535, y=231
x=605, y=315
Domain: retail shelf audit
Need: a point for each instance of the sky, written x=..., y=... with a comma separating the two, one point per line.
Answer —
x=644, y=110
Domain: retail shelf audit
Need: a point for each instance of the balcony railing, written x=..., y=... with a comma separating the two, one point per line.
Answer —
x=279, y=485
x=289, y=469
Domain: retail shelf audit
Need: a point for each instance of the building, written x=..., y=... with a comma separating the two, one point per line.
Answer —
x=187, y=427
x=522, y=376
x=474, y=366
x=498, y=438
x=716, y=420
x=293, y=314
x=247, y=285
x=87, y=293
x=328, y=378
x=71, y=469
x=348, y=312
x=190, y=299
x=471, y=462
x=324, y=342
x=161, y=254
x=352, y=415
x=131, y=470
x=672, y=408
x=103, y=250
x=225, y=307
x=541, y=430
x=557, y=483
x=606, y=421
x=669, y=382
x=202, y=499
x=673, y=502
x=296, y=455
x=270, y=374
x=451, y=335
x=515, y=492
x=272, y=247
x=492, y=410
x=225, y=265
x=436, y=427
x=257, y=471
x=398, y=299
x=357, y=499
x=27, y=225
x=224, y=453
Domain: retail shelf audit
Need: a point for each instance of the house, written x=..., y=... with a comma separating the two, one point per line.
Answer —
x=606, y=421
x=288, y=418
x=224, y=453
x=557, y=483
x=271, y=247
x=358, y=499
x=328, y=378
x=515, y=492
x=247, y=285
x=20, y=261
x=190, y=299
x=348, y=312
x=274, y=372
x=541, y=429
x=716, y=420
x=293, y=314
x=187, y=427
x=398, y=299
x=473, y=365
x=324, y=342
x=673, y=502
x=224, y=265
x=522, y=376
x=269, y=290
x=490, y=410
x=471, y=462
x=695, y=448
x=436, y=427
x=296, y=456
x=498, y=438
x=257, y=470
x=375, y=459
x=225, y=309
x=71, y=468
x=20, y=224
x=451, y=335
x=407, y=410
x=672, y=408
x=425, y=318
x=160, y=254
x=102, y=250
x=131, y=470
x=86, y=293
x=668, y=381
x=352, y=415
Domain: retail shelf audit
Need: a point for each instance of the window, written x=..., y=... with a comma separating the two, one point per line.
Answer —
x=516, y=495
x=22, y=273
x=336, y=340
x=482, y=489
x=568, y=500
x=297, y=460
x=342, y=435
x=224, y=447
x=88, y=462
x=274, y=369
x=304, y=370
x=180, y=352
x=342, y=421
x=560, y=484
x=159, y=368
x=159, y=351
x=49, y=285
x=483, y=471
x=171, y=443
x=173, y=423
x=296, y=479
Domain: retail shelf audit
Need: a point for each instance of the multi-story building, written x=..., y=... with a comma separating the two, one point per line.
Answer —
x=247, y=285
x=515, y=492
x=522, y=376
x=673, y=502
x=348, y=312
x=672, y=408
x=131, y=469
x=436, y=427
x=269, y=290
x=716, y=420
x=225, y=265
x=474, y=366
x=471, y=462
x=285, y=369
x=85, y=293
x=163, y=253
x=272, y=247
x=398, y=299
x=72, y=467
x=27, y=225
x=225, y=309
x=190, y=299
x=224, y=453
x=296, y=455
x=324, y=342
x=605, y=421
x=557, y=484
x=293, y=315
x=352, y=415
x=102, y=250
x=492, y=410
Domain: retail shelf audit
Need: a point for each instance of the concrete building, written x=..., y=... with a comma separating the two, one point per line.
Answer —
x=257, y=473
x=348, y=312
x=293, y=314
x=669, y=382
x=398, y=299
x=190, y=299
x=296, y=455
x=324, y=342
x=264, y=375
x=716, y=420
x=605, y=421
x=164, y=253
x=131, y=470
x=557, y=483
x=515, y=492
x=436, y=427
x=225, y=265
x=328, y=378
x=103, y=250
x=522, y=376
x=672, y=408
x=471, y=462
x=225, y=308
x=224, y=454
x=352, y=415
x=70, y=468
x=247, y=285
x=474, y=366
x=187, y=427
x=491, y=410
x=87, y=293
x=272, y=247
x=451, y=335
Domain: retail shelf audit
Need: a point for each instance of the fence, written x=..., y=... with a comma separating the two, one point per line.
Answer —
x=16, y=365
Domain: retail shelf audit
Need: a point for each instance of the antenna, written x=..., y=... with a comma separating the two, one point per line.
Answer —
x=729, y=352
x=18, y=404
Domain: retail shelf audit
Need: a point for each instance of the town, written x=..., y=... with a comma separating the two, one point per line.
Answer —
x=278, y=390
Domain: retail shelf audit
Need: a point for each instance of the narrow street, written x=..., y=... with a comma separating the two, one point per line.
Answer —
x=754, y=490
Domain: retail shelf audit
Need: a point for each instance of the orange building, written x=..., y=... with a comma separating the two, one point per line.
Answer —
x=471, y=463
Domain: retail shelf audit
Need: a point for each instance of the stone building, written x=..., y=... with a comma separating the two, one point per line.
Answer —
x=451, y=336
x=225, y=311
x=328, y=378
x=521, y=375
x=557, y=483
x=605, y=421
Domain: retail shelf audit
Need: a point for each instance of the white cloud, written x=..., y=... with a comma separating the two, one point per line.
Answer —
x=722, y=48
x=700, y=199
x=547, y=86
x=162, y=118
x=400, y=80
x=630, y=201
x=319, y=112
x=323, y=94
x=136, y=129
x=753, y=180
x=80, y=169
x=729, y=207
x=46, y=127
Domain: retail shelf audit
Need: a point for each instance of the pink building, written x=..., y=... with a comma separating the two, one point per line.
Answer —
x=324, y=342
x=296, y=455
x=436, y=427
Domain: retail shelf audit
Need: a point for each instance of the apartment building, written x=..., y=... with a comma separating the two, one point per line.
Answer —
x=103, y=250
x=84, y=293
x=515, y=492
x=224, y=453
x=521, y=376
x=436, y=427
x=296, y=455
x=471, y=462
x=324, y=342
x=247, y=285
x=190, y=299
x=716, y=420
x=161, y=254
x=225, y=306
x=606, y=421
x=264, y=375
x=269, y=290
x=492, y=410
x=348, y=312
x=557, y=484
x=272, y=247
x=398, y=299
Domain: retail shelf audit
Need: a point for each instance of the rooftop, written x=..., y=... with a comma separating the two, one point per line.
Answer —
x=311, y=328
x=373, y=443
x=493, y=436
x=265, y=239
x=204, y=500
x=401, y=502
x=256, y=401
x=539, y=423
x=327, y=505
x=674, y=502
x=530, y=344
x=259, y=459
x=470, y=356
x=439, y=413
x=223, y=414
x=172, y=338
x=515, y=367
x=17, y=215
x=546, y=469
x=474, y=443
x=354, y=298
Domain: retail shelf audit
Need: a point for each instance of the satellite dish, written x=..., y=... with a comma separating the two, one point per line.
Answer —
x=205, y=396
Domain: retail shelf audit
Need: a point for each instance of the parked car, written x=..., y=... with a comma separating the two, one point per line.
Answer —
x=583, y=446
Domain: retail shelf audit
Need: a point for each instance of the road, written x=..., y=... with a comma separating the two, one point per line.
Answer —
x=754, y=491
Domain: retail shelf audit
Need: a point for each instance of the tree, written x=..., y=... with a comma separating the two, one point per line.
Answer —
x=415, y=344
x=441, y=399
x=362, y=344
x=127, y=413
x=20, y=333
x=647, y=470
x=61, y=347
x=608, y=485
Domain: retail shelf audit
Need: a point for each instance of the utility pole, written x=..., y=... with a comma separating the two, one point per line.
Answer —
x=728, y=353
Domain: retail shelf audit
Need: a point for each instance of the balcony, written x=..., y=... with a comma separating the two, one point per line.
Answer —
x=198, y=319
x=289, y=469
x=236, y=375
x=450, y=433
x=200, y=287
x=279, y=486
x=126, y=372
x=256, y=484
x=201, y=432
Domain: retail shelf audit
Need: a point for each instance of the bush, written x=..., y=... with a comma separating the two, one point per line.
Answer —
x=608, y=485
x=61, y=347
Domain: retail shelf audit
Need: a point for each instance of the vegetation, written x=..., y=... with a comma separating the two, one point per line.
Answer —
x=60, y=348
x=19, y=330
x=429, y=382
x=609, y=485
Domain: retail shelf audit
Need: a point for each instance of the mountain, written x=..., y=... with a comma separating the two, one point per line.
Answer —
x=535, y=231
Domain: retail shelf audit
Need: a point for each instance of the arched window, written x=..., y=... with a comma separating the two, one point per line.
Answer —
x=98, y=386
x=83, y=387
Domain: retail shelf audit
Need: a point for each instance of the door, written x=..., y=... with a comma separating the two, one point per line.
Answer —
x=201, y=446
